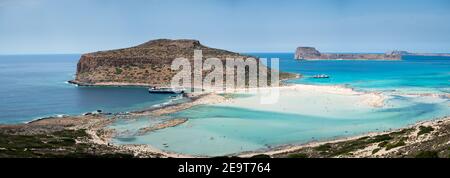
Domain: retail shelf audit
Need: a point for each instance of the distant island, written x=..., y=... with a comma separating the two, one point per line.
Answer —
x=311, y=53
x=406, y=53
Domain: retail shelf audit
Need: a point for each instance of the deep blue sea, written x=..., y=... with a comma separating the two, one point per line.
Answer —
x=35, y=86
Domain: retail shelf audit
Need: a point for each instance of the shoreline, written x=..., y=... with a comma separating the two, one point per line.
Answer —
x=111, y=84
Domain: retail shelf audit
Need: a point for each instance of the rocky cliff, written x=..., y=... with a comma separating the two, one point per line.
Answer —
x=310, y=53
x=145, y=64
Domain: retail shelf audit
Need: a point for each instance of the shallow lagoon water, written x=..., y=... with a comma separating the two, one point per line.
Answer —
x=222, y=129
x=35, y=86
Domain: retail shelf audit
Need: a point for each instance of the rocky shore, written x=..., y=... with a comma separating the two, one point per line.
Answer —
x=58, y=137
x=73, y=136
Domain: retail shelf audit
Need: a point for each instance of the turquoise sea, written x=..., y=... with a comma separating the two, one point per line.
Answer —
x=414, y=73
x=34, y=86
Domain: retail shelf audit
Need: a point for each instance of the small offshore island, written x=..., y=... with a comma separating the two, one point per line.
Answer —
x=311, y=53
x=148, y=64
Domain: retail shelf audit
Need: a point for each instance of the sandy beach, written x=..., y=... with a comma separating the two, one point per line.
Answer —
x=96, y=125
x=319, y=100
x=290, y=92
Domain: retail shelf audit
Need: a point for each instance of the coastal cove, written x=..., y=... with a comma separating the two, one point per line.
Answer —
x=376, y=96
x=35, y=86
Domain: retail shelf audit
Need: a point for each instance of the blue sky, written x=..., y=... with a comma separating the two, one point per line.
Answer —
x=79, y=26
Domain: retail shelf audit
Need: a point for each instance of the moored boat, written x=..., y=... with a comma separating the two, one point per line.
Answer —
x=163, y=90
x=321, y=76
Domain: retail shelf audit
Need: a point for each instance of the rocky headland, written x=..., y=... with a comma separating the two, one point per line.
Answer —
x=147, y=64
x=311, y=53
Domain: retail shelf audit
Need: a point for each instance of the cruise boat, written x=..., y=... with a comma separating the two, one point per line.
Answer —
x=163, y=90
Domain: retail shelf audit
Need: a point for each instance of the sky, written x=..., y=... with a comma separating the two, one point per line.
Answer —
x=80, y=26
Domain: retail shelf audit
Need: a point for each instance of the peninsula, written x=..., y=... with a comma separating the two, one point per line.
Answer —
x=311, y=53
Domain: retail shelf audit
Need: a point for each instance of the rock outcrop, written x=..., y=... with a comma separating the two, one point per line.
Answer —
x=145, y=64
x=406, y=53
x=310, y=53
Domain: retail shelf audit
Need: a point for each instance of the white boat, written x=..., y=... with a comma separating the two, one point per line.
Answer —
x=163, y=90
x=321, y=76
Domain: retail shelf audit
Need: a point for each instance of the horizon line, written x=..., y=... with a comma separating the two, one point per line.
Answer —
x=262, y=52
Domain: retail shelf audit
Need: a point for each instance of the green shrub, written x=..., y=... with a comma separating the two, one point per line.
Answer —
x=298, y=155
x=324, y=147
x=376, y=150
x=118, y=70
x=383, y=144
x=404, y=131
x=395, y=145
x=380, y=138
x=425, y=130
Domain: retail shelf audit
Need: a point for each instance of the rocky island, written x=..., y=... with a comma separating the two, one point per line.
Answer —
x=311, y=53
x=148, y=64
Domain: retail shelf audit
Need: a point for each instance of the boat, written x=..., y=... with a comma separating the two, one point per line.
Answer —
x=163, y=90
x=321, y=76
